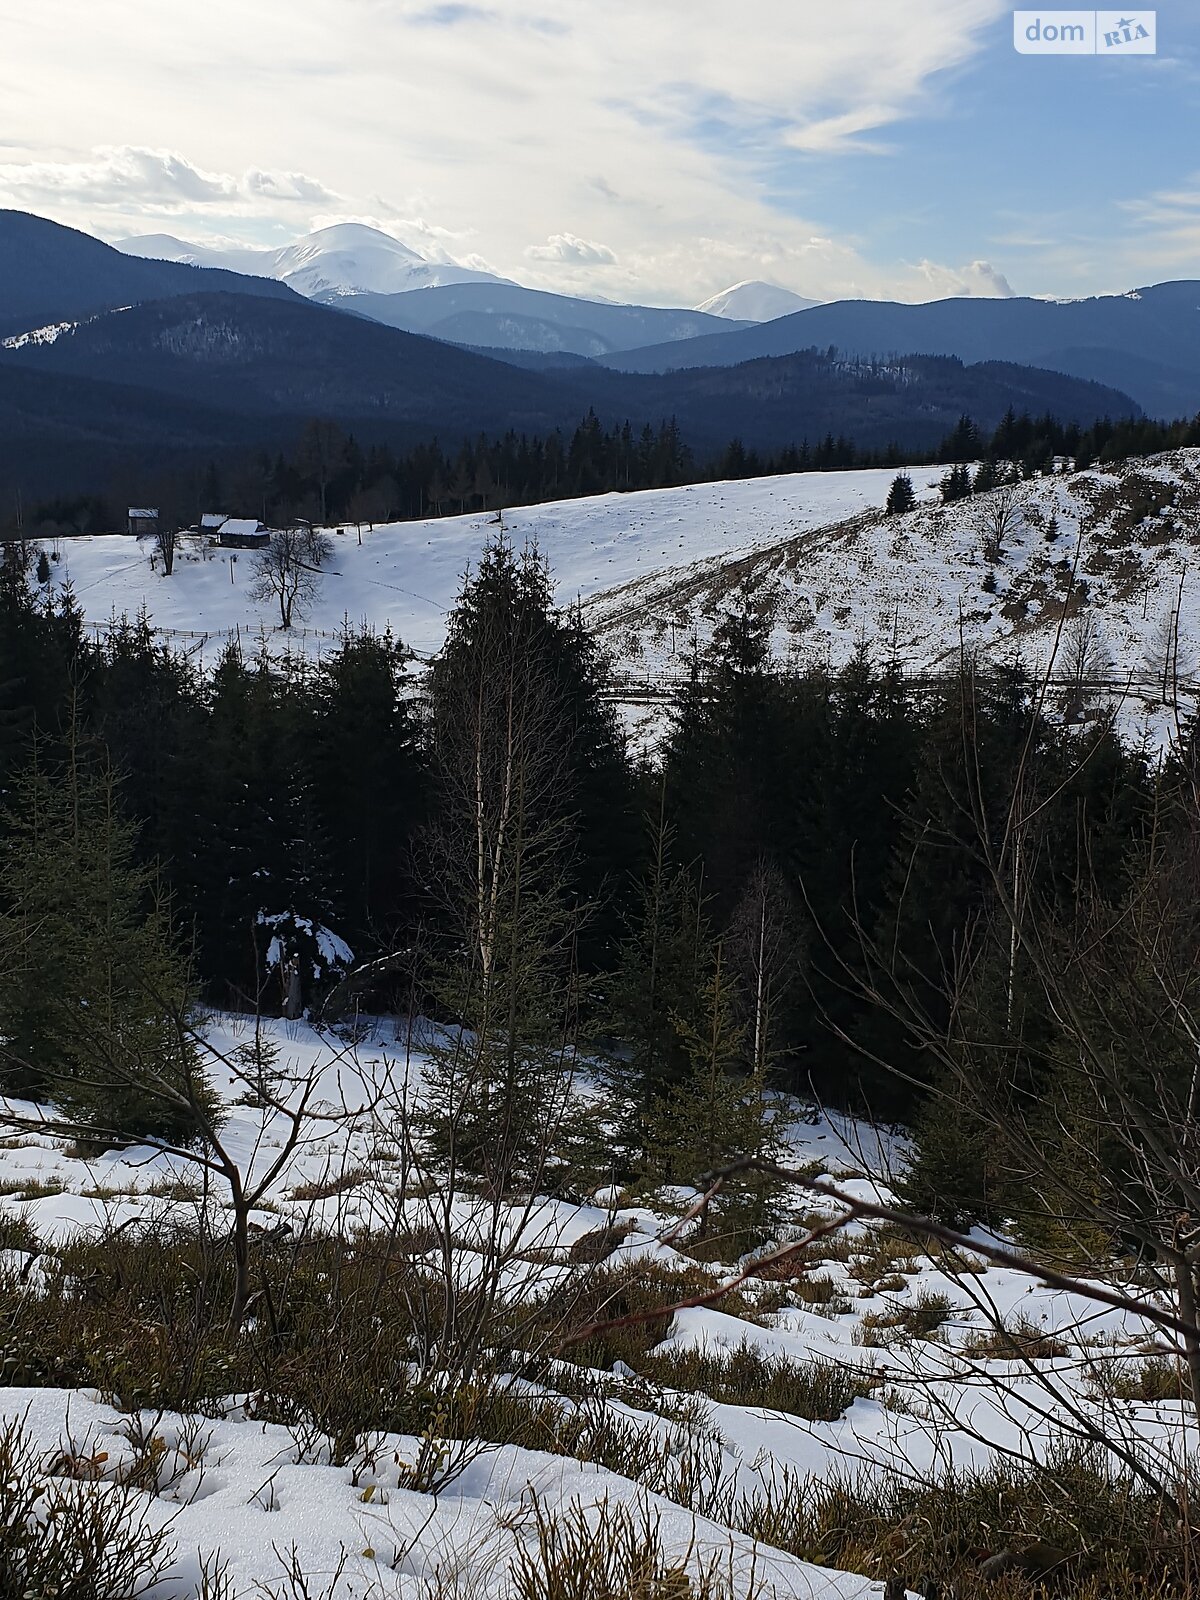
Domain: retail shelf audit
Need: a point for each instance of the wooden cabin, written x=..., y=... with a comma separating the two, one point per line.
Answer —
x=142, y=520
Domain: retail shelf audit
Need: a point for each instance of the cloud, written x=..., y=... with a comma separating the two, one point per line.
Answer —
x=1133, y=241
x=155, y=178
x=977, y=280
x=145, y=182
x=139, y=184
x=1171, y=216
x=457, y=13
x=565, y=247
x=287, y=186
x=842, y=133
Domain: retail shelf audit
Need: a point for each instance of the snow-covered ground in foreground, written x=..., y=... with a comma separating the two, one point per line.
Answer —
x=255, y=1497
x=405, y=576
x=254, y=1490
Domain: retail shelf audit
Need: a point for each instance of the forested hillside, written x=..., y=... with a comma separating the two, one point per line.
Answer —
x=55, y=274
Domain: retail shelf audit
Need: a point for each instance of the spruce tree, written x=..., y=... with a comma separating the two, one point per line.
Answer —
x=730, y=783
x=901, y=496
x=501, y=862
x=264, y=845
x=964, y=443
x=94, y=992
x=957, y=1171
x=715, y=1114
x=956, y=484
x=43, y=654
x=360, y=739
x=654, y=994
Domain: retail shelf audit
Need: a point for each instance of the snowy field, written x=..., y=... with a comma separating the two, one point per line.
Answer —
x=404, y=576
x=831, y=573
x=913, y=1328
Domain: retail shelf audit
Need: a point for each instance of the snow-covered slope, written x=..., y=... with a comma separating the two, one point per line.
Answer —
x=1118, y=544
x=346, y=259
x=829, y=569
x=756, y=301
x=405, y=575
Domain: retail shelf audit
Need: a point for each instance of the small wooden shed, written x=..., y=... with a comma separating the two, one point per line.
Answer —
x=142, y=520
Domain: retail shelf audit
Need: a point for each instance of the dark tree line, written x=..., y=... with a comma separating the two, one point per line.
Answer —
x=328, y=477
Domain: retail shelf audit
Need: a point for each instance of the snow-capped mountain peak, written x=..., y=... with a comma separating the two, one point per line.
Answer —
x=755, y=301
x=348, y=258
x=164, y=247
x=352, y=236
x=353, y=259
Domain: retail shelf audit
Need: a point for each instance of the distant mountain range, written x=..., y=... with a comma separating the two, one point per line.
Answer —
x=505, y=316
x=353, y=259
x=374, y=275
x=1146, y=343
x=108, y=357
x=253, y=369
x=258, y=357
x=912, y=401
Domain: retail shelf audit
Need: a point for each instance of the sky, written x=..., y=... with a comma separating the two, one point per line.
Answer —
x=646, y=150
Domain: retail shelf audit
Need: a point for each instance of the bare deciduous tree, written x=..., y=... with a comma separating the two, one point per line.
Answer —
x=1169, y=654
x=764, y=946
x=996, y=515
x=165, y=541
x=1084, y=660
x=1064, y=1034
x=1084, y=1078
x=288, y=571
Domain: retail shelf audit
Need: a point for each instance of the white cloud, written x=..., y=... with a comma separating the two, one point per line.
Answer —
x=1170, y=219
x=1079, y=252
x=844, y=132
x=287, y=186
x=565, y=247
x=977, y=280
x=147, y=182
x=156, y=179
